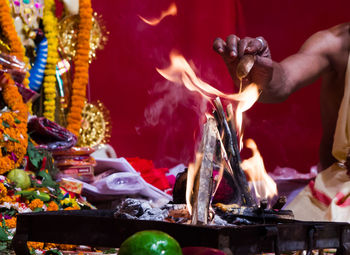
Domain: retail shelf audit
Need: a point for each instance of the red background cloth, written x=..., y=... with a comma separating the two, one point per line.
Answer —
x=124, y=78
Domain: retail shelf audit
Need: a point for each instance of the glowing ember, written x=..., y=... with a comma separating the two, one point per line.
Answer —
x=264, y=185
x=171, y=11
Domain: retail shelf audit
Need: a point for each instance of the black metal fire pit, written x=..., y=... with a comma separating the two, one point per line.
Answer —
x=100, y=229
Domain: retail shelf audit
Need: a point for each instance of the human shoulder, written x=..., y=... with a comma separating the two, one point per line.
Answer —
x=331, y=45
x=328, y=41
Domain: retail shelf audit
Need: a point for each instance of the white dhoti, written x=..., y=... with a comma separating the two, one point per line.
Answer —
x=328, y=197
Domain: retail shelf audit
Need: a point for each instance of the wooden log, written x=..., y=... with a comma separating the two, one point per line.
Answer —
x=281, y=201
x=234, y=156
x=203, y=184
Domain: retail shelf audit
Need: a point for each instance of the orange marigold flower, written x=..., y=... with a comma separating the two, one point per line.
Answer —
x=81, y=67
x=35, y=245
x=49, y=246
x=6, y=199
x=67, y=247
x=3, y=190
x=36, y=203
x=52, y=206
x=71, y=208
x=11, y=223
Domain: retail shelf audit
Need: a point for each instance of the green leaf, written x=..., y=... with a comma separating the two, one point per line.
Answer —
x=47, y=180
x=3, y=235
x=5, y=124
x=110, y=251
x=10, y=138
x=38, y=209
x=17, y=121
x=3, y=246
x=52, y=252
x=34, y=155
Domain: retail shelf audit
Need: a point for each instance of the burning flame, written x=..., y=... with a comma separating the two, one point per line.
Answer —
x=171, y=11
x=191, y=174
x=181, y=72
x=264, y=185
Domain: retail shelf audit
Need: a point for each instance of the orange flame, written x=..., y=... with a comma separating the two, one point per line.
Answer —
x=181, y=72
x=264, y=185
x=171, y=11
x=191, y=175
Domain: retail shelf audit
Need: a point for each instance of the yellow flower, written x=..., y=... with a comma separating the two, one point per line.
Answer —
x=50, y=28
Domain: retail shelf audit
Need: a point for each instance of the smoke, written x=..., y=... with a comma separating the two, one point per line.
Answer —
x=177, y=114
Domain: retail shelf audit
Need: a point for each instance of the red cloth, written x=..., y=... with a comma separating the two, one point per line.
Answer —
x=152, y=175
x=123, y=76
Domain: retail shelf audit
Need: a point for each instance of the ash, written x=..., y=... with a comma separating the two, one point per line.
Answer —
x=139, y=209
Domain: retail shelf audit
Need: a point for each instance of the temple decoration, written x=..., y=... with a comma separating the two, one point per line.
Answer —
x=96, y=127
x=81, y=64
x=50, y=28
x=13, y=127
x=68, y=36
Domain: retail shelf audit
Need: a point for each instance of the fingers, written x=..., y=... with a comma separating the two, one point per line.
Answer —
x=219, y=45
x=231, y=45
x=253, y=46
x=226, y=48
x=264, y=48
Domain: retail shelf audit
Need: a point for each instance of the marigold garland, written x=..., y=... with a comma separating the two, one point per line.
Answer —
x=50, y=28
x=81, y=64
x=9, y=30
x=13, y=128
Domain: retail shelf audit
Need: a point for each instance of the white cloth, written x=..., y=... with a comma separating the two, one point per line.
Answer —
x=328, y=197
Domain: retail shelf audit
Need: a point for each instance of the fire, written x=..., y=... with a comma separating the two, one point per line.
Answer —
x=171, y=11
x=181, y=72
x=191, y=174
x=264, y=185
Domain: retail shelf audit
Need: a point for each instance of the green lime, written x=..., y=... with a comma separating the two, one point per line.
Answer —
x=150, y=242
x=20, y=178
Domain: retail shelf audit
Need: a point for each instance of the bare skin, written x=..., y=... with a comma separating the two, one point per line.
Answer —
x=324, y=54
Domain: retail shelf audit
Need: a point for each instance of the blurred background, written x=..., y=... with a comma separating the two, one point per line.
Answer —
x=155, y=119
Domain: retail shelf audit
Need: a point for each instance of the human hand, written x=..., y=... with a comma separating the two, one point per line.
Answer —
x=249, y=58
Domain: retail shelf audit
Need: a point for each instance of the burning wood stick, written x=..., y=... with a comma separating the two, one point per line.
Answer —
x=231, y=146
x=203, y=183
x=281, y=201
x=232, y=126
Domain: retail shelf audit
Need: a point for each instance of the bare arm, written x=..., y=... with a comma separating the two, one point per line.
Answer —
x=279, y=80
x=298, y=70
